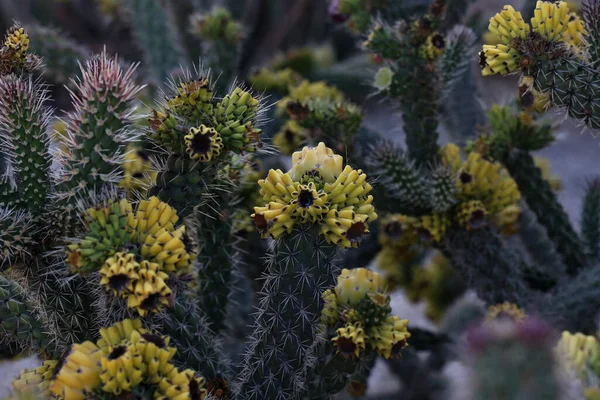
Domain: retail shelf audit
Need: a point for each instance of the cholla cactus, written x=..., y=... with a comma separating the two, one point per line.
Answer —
x=311, y=211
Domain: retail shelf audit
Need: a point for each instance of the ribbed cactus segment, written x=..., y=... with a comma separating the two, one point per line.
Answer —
x=16, y=235
x=419, y=101
x=590, y=219
x=67, y=302
x=155, y=35
x=24, y=120
x=522, y=353
x=573, y=86
x=181, y=182
x=442, y=189
x=574, y=304
x=215, y=252
x=483, y=260
x=457, y=54
x=403, y=180
x=60, y=53
x=98, y=130
x=590, y=13
x=538, y=245
x=300, y=268
x=541, y=199
x=20, y=327
x=197, y=346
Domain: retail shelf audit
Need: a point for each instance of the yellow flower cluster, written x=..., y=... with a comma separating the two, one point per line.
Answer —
x=125, y=356
x=358, y=306
x=18, y=41
x=434, y=46
x=203, y=143
x=577, y=350
x=484, y=190
x=317, y=190
x=552, y=21
x=139, y=175
x=505, y=310
x=309, y=90
x=144, y=248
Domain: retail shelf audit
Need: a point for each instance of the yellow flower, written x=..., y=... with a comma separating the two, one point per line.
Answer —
x=193, y=99
x=577, y=350
x=389, y=338
x=432, y=227
x=18, y=41
x=350, y=340
x=203, y=143
x=320, y=159
x=121, y=369
x=138, y=172
x=155, y=353
x=150, y=291
x=181, y=385
x=344, y=227
x=118, y=332
x=290, y=137
x=354, y=284
x=277, y=187
x=399, y=231
x=507, y=220
x=551, y=20
x=308, y=203
x=434, y=46
x=309, y=90
x=330, y=313
x=499, y=59
x=505, y=310
x=273, y=220
x=508, y=25
x=118, y=273
x=37, y=379
x=471, y=215
x=79, y=375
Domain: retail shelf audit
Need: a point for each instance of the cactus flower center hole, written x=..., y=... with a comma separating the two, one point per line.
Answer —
x=393, y=230
x=397, y=348
x=260, y=221
x=438, y=41
x=118, y=282
x=194, y=388
x=477, y=220
x=346, y=346
x=117, y=352
x=201, y=144
x=152, y=338
x=151, y=302
x=465, y=178
x=356, y=232
x=305, y=198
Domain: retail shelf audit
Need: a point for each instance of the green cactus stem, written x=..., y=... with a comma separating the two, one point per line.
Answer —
x=590, y=219
x=542, y=201
x=24, y=140
x=301, y=265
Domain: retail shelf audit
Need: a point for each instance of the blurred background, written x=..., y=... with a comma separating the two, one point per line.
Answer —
x=64, y=31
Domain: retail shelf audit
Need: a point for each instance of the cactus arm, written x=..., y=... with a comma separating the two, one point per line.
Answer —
x=24, y=120
x=156, y=37
x=590, y=219
x=483, y=260
x=590, y=12
x=540, y=198
x=300, y=267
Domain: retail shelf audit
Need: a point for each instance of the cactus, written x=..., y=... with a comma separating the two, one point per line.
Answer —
x=155, y=36
x=590, y=219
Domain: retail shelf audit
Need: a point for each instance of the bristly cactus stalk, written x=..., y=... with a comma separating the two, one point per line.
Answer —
x=156, y=36
x=310, y=211
x=590, y=219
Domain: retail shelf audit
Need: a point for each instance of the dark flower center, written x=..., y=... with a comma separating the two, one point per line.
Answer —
x=118, y=282
x=201, y=144
x=346, y=346
x=143, y=155
x=438, y=41
x=396, y=349
x=218, y=388
x=194, y=388
x=393, y=230
x=477, y=219
x=465, y=178
x=117, y=352
x=151, y=302
x=153, y=338
x=260, y=222
x=356, y=232
x=305, y=198
x=289, y=136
